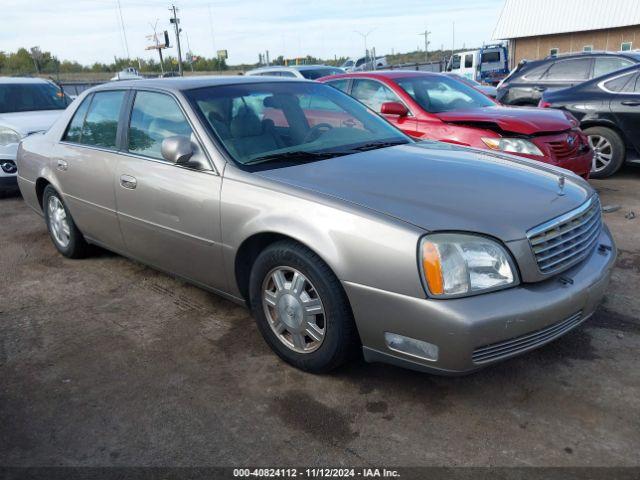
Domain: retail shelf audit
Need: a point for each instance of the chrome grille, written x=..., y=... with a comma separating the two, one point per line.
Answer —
x=565, y=240
x=512, y=346
x=564, y=149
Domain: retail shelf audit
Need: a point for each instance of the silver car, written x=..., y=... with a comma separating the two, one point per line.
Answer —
x=336, y=229
x=27, y=106
x=310, y=72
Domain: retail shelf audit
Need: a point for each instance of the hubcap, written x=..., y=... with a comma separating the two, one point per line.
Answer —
x=293, y=309
x=602, y=152
x=58, y=222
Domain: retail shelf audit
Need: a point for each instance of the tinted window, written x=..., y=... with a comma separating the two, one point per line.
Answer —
x=618, y=84
x=101, y=123
x=455, y=63
x=74, y=130
x=490, y=57
x=27, y=97
x=536, y=73
x=577, y=69
x=339, y=84
x=373, y=94
x=604, y=65
x=360, y=61
x=442, y=94
x=468, y=61
x=155, y=116
x=320, y=72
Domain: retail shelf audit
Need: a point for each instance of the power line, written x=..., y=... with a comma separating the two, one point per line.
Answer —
x=124, y=33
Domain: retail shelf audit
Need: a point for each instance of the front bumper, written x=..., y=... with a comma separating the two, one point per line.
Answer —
x=465, y=329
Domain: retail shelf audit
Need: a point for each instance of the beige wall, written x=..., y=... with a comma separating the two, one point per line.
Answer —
x=534, y=48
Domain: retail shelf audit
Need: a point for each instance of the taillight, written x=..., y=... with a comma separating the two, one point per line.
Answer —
x=544, y=104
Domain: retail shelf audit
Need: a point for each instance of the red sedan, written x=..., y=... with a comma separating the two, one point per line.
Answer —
x=438, y=107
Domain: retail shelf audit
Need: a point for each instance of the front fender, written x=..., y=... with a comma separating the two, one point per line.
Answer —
x=359, y=245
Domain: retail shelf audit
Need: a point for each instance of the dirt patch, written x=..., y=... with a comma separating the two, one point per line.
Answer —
x=605, y=318
x=301, y=411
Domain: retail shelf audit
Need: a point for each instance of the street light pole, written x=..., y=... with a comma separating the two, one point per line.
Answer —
x=364, y=37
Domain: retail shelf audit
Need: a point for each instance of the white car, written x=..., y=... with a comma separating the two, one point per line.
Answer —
x=310, y=72
x=27, y=106
x=363, y=64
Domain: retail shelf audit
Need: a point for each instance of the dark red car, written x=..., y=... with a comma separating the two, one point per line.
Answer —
x=437, y=107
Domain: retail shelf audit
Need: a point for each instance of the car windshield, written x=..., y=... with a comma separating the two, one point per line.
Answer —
x=315, y=73
x=290, y=122
x=27, y=97
x=438, y=93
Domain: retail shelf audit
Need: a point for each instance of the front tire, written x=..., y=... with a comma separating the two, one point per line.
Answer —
x=608, y=151
x=66, y=237
x=301, y=309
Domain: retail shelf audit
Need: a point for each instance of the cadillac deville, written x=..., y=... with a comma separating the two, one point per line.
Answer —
x=337, y=230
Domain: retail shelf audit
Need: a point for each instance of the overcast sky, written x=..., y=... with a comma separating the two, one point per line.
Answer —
x=89, y=30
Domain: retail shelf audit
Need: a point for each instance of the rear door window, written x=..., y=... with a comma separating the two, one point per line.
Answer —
x=604, y=65
x=574, y=69
x=100, y=125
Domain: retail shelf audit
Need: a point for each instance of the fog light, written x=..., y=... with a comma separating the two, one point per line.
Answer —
x=411, y=346
x=8, y=166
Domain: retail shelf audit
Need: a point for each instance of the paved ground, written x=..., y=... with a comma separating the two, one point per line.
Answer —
x=106, y=362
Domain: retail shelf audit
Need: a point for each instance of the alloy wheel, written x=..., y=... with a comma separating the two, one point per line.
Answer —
x=294, y=309
x=602, y=152
x=58, y=222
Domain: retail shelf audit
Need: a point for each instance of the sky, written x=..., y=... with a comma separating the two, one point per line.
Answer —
x=90, y=30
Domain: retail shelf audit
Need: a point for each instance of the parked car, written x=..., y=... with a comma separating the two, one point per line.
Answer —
x=428, y=255
x=436, y=107
x=488, y=90
x=310, y=72
x=489, y=64
x=128, y=73
x=364, y=64
x=525, y=84
x=27, y=106
x=608, y=108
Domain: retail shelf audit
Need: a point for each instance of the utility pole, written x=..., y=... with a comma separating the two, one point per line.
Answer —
x=124, y=33
x=426, y=34
x=176, y=23
x=364, y=37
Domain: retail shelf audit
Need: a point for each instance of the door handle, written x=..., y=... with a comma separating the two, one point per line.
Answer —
x=631, y=103
x=62, y=165
x=539, y=89
x=127, y=181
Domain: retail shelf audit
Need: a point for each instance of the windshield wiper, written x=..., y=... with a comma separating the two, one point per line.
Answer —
x=376, y=145
x=296, y=155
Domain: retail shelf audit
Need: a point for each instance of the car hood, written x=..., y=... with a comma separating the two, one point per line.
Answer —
x=26, y=123
x=522, y=120
x=437, y=186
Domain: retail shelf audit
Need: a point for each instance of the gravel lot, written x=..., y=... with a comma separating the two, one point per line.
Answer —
x=106, y=362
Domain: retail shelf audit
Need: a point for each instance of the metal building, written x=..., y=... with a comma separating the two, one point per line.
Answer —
x=538, y=28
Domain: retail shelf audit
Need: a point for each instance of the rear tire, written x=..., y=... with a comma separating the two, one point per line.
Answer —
x=609, y=151
x=65, y=236
x=310, y=327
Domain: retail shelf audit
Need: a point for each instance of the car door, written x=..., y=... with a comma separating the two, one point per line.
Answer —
x=625, y=106
x=374, y=93
x=169, y=214
x=85, y=162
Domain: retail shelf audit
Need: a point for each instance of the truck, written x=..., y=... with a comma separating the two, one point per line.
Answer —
x=487, y=65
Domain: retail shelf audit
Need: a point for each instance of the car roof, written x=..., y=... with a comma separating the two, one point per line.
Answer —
x=16, y=80
x=190, y=83
x=385, y=74
x=290, y=67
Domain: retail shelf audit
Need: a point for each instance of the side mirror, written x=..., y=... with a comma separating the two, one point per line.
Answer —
x=177, y=149
x=394, y=108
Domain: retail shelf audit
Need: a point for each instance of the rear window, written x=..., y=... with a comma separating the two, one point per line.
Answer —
x=575, y=69
x=29, y=97
x=489, y=57
x=320, y=72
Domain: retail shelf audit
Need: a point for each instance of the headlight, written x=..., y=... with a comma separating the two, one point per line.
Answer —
x=513, y=145
x=8, y=136
x=456, y=264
